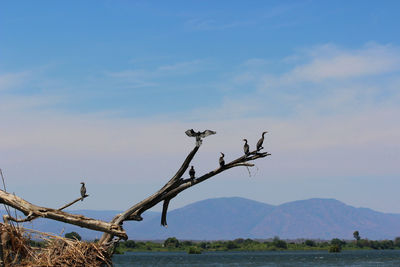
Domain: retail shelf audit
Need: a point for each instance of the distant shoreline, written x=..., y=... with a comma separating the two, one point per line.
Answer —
x=335, y=245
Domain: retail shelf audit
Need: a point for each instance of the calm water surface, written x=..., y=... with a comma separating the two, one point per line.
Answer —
x=264, y=258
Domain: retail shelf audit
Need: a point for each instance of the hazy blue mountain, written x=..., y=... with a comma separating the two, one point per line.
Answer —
x=326, y=219
x=219, y=218
x=230, y=218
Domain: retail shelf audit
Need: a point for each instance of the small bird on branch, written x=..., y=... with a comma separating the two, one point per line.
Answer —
x=221, y=160
x=261, y=141
x=192, y=172
x=83, y=190
x=199, y=135
x=246, y=147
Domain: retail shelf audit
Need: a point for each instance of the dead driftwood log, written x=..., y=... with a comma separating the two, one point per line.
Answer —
x=113, y=231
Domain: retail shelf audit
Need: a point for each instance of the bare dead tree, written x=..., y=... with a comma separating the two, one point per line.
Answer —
x=113, y=230
x=176, y=185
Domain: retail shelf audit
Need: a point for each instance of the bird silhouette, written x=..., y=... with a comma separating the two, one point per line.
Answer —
x=83, y=190
x=261, y=141
x=199, y=135
x=192, y=172
x=221, y=160
x=246, y=147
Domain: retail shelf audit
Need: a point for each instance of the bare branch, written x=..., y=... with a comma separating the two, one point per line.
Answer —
x=73, y=202
x=32, y=210
x=177, y=185
x=31, y=217
x=242, y=161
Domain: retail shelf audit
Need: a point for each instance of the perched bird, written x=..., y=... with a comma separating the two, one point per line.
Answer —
x=83, y=190
x=221, y=160
x=199, y=135
x=246, y=147
x=261, y=141
x=192, y=172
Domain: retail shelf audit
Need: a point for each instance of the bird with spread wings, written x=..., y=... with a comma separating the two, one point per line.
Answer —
x=199, y=135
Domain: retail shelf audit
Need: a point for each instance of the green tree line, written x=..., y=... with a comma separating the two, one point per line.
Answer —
x=240, y=244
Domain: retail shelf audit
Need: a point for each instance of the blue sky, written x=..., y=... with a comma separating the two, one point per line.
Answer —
x=103, y=91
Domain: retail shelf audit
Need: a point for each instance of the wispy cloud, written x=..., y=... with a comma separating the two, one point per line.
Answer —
x=184, y=67
x=198, y=24
x=134, y=78
x=324, y=79
x=150, y=77
x=263, y=16
x=328, y=62
x=11, y=80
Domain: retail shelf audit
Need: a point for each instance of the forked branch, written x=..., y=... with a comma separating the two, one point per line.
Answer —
x=176, y=185
x=31, y=210
x=31, y=217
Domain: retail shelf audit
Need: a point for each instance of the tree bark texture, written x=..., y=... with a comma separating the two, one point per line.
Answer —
x=32, y=210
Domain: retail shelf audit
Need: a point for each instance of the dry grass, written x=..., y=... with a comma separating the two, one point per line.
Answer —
x=58, y=251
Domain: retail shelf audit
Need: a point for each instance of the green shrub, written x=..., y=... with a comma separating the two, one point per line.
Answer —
x=205, y=245
x=171, y=242
x=187, y=243
x=194, y=250
x=238, y=240
x=397, y=241
x=279, y=243
x=335, y=248
x=310, y=243
x=231, y=245
x=73, y=235
x=337, y=241
x=130, y=244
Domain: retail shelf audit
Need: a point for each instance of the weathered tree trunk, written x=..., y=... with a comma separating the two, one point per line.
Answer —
x=31, y=210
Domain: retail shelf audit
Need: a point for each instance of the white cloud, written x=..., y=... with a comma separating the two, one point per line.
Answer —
x=327, y=62
x=11, y=80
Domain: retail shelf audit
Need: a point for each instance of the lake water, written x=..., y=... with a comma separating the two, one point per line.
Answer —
x=265, y=258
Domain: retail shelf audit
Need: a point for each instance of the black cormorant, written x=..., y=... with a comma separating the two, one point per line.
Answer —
x=246, y=147
x=221, y=160
x=83, y=190
x=192, y=172
x=199, y=135
x=261, y=141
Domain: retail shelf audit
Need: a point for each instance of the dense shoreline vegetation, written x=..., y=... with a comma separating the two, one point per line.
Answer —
x=240, y=244
x=172, y=244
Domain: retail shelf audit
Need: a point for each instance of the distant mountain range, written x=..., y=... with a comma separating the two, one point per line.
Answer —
x=230, y=218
